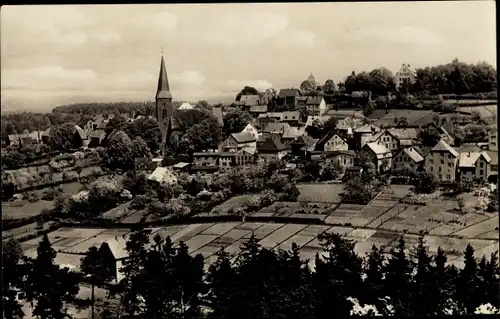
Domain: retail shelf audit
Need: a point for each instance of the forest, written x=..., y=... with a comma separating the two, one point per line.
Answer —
x=162, y=280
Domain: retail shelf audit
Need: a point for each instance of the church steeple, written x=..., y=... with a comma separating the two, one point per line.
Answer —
x=163, y=91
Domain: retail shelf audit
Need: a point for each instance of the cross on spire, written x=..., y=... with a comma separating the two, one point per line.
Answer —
x=162, y=50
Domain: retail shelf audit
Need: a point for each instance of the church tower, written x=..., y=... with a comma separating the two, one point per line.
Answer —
x=164, y=109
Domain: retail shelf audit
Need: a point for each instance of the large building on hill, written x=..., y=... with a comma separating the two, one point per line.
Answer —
x=164, y=109
x=406, y=73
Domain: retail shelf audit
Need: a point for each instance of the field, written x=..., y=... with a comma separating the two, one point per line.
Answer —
x=232, y=203
x=320, y=193
x=485, y=111
x=24, y=209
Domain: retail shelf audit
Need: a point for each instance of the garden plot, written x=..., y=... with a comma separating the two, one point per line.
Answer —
x=298, y=239
x=263, y=231
x=338, y=220
x=385, y=235
x=362, y=248
x=322, y=193
x=479, y=228
x=342, y=231
x=135, y=217
x=211, y=260
x=208, y=249
x=192, y=232
x=14, y=210
x=359, y=221
x=280, y=235
x=313, y=244
x=313, y=230
x=94, y=241
x=232, y=203
x=228, y=238
x=170, y=231
x=184, y=231
x=308, y=216
x=382, y=217
x=118, y=212
x=249, y=226
x=488, y=250
x=410, y=241
x=199, y=241
x=361, y=234
x=220, y=228
x=116, y=231
x=494, y=234
x=399, y=191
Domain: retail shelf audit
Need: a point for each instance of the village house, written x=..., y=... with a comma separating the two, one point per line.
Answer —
x=288, y=97
x=181, y=167
x=270, y=148
x=205, y=160
x=162, y=176
x=247, y=101
x=332, y=141
x=492, y=138
x=408, y=159
x=113, y=252
x=299, y=147
x=474, y=166
x=81, y=137
x=186, y=106
x=256, y=110
x=276, y=128
x=364, y=134
x=396, y=138
x=96, y=137
x=20, y=139
x=441, y=161
x=291, y=117
x=240, y=141
x=228, y=160
x=379, y=155
x=316, y=105
x=252, y=129
x=349, y=123
x=321, y=119
x=405, y=73
x=292, y=133
x=36, y=137
x=271, y=116
x=441, y=131
x=343, y=158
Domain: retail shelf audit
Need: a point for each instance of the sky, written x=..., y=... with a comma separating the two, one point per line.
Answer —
x=53, y=55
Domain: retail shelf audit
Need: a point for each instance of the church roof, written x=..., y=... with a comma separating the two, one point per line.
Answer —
x=163, y=91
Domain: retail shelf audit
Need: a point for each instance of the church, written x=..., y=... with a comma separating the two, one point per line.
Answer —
x=164, y=107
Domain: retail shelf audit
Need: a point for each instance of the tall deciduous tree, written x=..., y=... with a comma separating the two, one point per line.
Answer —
x=236, y=120
x=13, y=272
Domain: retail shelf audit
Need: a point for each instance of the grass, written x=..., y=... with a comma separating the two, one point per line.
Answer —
x=11, y=211
x=320, y=193
x=232, y=203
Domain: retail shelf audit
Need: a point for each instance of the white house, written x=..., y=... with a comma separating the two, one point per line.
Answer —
x=405, y=73
x=252, y=130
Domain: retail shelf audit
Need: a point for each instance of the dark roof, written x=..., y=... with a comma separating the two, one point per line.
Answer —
x=326, y=138
x=258, y=109
x=244, y=137
x=163, y=91
x=217, y=112
x=249, y=100
x=270, y=144
x=276, y=128
x=336, y=153
x=290, y=116
x=314, y=100
x=289, y=93
x=304, y=140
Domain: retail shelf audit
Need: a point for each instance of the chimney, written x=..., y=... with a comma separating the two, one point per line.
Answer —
x=408, y=65
x=468, y=154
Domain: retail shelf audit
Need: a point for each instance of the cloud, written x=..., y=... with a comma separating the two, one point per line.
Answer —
x=297, y=38
x=108, y=37
x=191, y=78
x=237, y=85
x=401, y=35
x=239, y=28
x=165, y=21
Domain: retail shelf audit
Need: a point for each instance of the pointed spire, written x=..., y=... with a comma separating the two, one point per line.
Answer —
x=163, y=86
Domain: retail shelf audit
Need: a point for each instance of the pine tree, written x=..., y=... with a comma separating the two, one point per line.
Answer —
x=12, y=279
x=223, y=282
x=397, y=278
x=50, y=287
x=133, y=270
x=422, y=288
x=442, y=283
x=342, y=274
x=373, y=282
x=467, y=283
x=488, y=280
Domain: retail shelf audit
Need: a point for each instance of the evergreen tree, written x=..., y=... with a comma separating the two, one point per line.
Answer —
x=222, y=280
x=488, y=272
x=133, y=270
x=12, y=279
x=341, y=275
x=421, y=284
x=397, y=278
x=373, y=282
x=49, y=287
x=467, y=293
x=443, y=282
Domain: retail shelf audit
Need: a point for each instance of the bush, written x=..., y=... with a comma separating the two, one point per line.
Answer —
x=140, y=202
x=51, y=193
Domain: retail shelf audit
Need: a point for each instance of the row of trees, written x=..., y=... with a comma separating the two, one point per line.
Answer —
x=164, y=281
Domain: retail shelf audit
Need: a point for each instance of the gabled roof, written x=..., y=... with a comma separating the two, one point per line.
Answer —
x=442, y=146
x=186, y=106
x=271, y=144
x=406, y=67
x=321, y=119
x=99, y=133
x=251, y=125
x=337, y=153
x=271, y=114
x=46, y=132
x=276, y=128
x=250, y=100
x=322, y=141
x=302, y=99
x=360, y=94
x=469, y=159
x=293, y=132
x=404, y=133
x=258, y=109
x=304, y=140
x=118, y=247
x=413, y=154
x=81, y=132
x=314, y=100
x=163, y=175
x=217, y=112
x=289, y=93
x=204, y=154
x=244, y=137
x=367, y=128
x=378, y=149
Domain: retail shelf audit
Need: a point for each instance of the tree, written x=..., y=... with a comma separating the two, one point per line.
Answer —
x=119, y=151
x=426, y=183
x=428, y=136
x=12, y=279
x=397, y=278
x=307, y=86
x=442, y=282
x=49, y=287
x=467, y=284
x=149, y=130
x=93, y=268
x=202, y=136
x=62, y=137
x=118, y=123
x=316, y=130
x=329, y=87
x=236, y=120
x=247, y=90
x=493, y=201
x=139, y=148
x=488, y=273
x=350, y=83
x=373, y=269
x=421, y=282
x=12, y=159
x=460, y=203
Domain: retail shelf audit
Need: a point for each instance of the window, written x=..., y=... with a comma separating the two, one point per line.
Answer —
x=449, y=156
x=431, y=161
x=442, y=161
x=449, y=164
x=439, y=169
x=440, y=176
x=481, y=172
x=481, y=164
x=448, y=177
x=432, y=169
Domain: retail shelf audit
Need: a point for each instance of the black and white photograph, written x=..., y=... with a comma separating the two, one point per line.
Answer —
x=249, y=160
